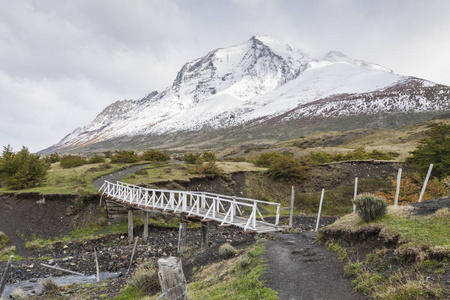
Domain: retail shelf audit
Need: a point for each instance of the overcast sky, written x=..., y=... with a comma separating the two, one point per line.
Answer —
x=62, y=62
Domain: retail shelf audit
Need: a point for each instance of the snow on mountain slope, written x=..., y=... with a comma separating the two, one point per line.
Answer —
x=258, y=79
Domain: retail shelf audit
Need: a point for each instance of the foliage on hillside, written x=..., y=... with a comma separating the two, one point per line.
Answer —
x=410, y=188
x=154, y=155
x=434, y=149
x=22, y=169
x=124, y=157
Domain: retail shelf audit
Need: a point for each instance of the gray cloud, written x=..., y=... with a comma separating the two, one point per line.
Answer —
x=62, y=62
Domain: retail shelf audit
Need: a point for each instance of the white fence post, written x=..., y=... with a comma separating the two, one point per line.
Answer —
x=425, y=183
x=320, y=210
x=356, y=192
x=291, y=215
x=399, y=177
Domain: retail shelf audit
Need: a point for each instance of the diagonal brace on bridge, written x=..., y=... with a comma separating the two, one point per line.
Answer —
x=227, y=210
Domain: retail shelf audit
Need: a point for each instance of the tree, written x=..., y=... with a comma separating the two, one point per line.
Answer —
x=22, y=170
x=434, y=149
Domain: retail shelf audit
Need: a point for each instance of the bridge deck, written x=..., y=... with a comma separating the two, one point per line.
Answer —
x=228, y=211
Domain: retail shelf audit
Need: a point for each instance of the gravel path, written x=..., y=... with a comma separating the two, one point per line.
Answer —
x=298, y=269
x=116, y=176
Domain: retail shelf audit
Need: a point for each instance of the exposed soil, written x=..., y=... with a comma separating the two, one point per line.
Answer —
x=27, y=215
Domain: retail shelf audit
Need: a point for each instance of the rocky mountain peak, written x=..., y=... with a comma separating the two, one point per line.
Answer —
x=256, y=82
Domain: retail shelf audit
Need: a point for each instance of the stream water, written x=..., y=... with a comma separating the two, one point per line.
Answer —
x=34, y=286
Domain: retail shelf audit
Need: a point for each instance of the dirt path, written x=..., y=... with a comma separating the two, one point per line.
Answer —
x=299, y=269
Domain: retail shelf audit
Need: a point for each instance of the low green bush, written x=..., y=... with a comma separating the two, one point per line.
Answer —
x=71, y=161
x=3, y=239
x=210, y=168
x=154, y=155
x=370, y=207
x=124, y=157
x=96, y=159
x=145, y=278
x=227, y=251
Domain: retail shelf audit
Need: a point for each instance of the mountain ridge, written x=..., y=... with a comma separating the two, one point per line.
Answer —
x=257, y=81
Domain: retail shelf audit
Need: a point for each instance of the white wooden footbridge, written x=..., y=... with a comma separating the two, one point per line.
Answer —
x=226, y=210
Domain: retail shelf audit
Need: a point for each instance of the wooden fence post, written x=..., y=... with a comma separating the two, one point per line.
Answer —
x=397, y=192
x=145, y=226
x=5, y=274
x=182, y=237
x=205, y=233
x=171, y=278
x=130, y=226
x=320, y=210
x=291, y=215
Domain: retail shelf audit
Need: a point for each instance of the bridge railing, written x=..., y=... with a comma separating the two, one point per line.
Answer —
x=209, y=206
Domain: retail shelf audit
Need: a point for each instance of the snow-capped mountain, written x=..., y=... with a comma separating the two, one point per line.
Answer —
x=260, y=81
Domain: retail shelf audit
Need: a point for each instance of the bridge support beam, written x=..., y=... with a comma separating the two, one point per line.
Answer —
x=182, y=237
x=130, y=226
x=145, y=226
x=205, y=235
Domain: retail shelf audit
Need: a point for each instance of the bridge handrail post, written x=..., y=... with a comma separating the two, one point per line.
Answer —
x=198, y=204
x=214, y=207
x=203, y=200
x=255, y=208
x=277, y=218
x=184, y=201
x=233, y=210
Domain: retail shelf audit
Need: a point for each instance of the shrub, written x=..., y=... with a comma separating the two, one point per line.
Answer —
x=244, y=262
x=287, y=167
x=141, y=172
x=96, y=159
x=154, y=155
x=71, y=161
x=209, y=156
x=380, y=155
x=434, y=149
x=321, y=157
x=49, y=287
x=124, y=157
x=3, y=239
x=266, y=159
x=410, y=188
x=227, y=251
x=18, y=294
x=22, y=170
x=369, y=207
x=52, y=158
x=145, y=278
x=210, y=168
x=191, y=158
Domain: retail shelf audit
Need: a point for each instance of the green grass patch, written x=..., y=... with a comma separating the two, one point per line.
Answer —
x=235, y=278
x=74, y=180
x=399, y=272
x=420, y=231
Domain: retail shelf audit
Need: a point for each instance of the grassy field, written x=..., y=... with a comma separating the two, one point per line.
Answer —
x=413, y=267
x=72, y=181
x=168, y=172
